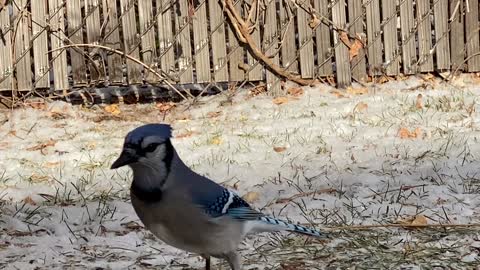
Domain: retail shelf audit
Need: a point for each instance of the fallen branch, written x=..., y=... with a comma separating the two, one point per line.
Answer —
x=242, y=30
x=128, y=57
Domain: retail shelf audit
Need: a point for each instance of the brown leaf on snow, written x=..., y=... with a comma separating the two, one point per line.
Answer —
x=404, y=133
x=279, y=149
x=185, y=134
x=251, y=196
x=113, y=109
x=213, y=114
x=51, y=164
x=357, y=90
x=338, y=94
x=280, y=100
x=295, y=91
x=418, y=220
x=37, y=178
x=419, y=102
x=42, y=145
x=29, y=200
x=165, y=106
x=360, y=107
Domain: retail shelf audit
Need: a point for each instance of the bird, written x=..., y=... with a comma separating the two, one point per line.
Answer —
x=185, y=209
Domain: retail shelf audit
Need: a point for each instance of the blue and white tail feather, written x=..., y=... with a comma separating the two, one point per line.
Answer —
x=281, y=225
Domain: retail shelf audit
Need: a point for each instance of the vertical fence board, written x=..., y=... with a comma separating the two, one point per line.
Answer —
x=457, y=43
x=147, y=36
x=75, y=36
x=112, y=40
x=200, y=46
x=424, y=36
x=129, y=26
x=21, y=46
x=442, y=51
x=6, y=65
x=341, y=50
x=305, y=43
x=355, y=20
x=270, y=43
x=287, y=30
x=322, y=36
x=235, y=51
x=92, y=11
x=40, y=44
x=473, y=36
x=184, y=49
x=254, y=67
x=57, y=36
x=219, y=46
x=165, y=37
x=390, y=37
x=374, y=44
x=407, y=25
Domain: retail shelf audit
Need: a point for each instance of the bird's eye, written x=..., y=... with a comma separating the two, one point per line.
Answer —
x=151, y=147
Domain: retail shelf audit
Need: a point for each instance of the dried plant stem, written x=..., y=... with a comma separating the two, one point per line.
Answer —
x=415, y=226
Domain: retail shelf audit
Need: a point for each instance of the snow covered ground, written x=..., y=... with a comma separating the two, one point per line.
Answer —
x=402, y=152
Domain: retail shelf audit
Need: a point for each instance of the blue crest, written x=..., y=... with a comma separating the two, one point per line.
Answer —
x=160, y=130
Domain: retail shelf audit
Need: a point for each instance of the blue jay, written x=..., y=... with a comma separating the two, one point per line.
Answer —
x=184, y=209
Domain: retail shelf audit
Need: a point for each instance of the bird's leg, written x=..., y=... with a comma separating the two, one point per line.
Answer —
x=233, y=260
x=207, y=262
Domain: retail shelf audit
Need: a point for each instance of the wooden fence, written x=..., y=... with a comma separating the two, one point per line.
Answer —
x=203, y=41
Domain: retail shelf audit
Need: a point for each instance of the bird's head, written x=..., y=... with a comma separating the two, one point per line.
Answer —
x=148, y=145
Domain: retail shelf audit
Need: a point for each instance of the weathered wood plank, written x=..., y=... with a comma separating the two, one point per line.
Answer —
x=92, y=11
x=147, y=36
x=254, y=72
x=457, y=43
x=6, y=65
x=424, y=35
x=374, y=44
x=235, y=52
x=40, y=44
x=219, y=46
x=305, y=43
x=322, y=35
x=184, y=49
x=473, y=36
x=390, y=37
x=112, y=40
x=22, y=46
x=57, y=37
x=75, y=35
x=165, y=37
x=129, y=26
x=200, y=46
x=342, y=60
x=270, y=43
x=442, y=51
x=356, y=21
x=407, y=24
x=287, y=29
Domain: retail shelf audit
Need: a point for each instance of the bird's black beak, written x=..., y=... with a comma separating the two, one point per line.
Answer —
x=125, y=158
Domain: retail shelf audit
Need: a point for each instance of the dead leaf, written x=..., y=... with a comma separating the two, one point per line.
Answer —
x=280, y=100
x=213, y=114
x=355, y=48
x=251, y=196
x=412, y=221
x=420, y=220
x=419, y=102
x=37, y=178
x=165, y=106
x=404, y=133
x=360, y=107
x=314, y=21
x=344, y=38
x=113, y=109
x=295, y=91
x=185, y=134
x=29, y=200
x=52, y=164
x=338, y=93
x=42, y=145
x=279, y=149
x=217, y=140
x=357, y=90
